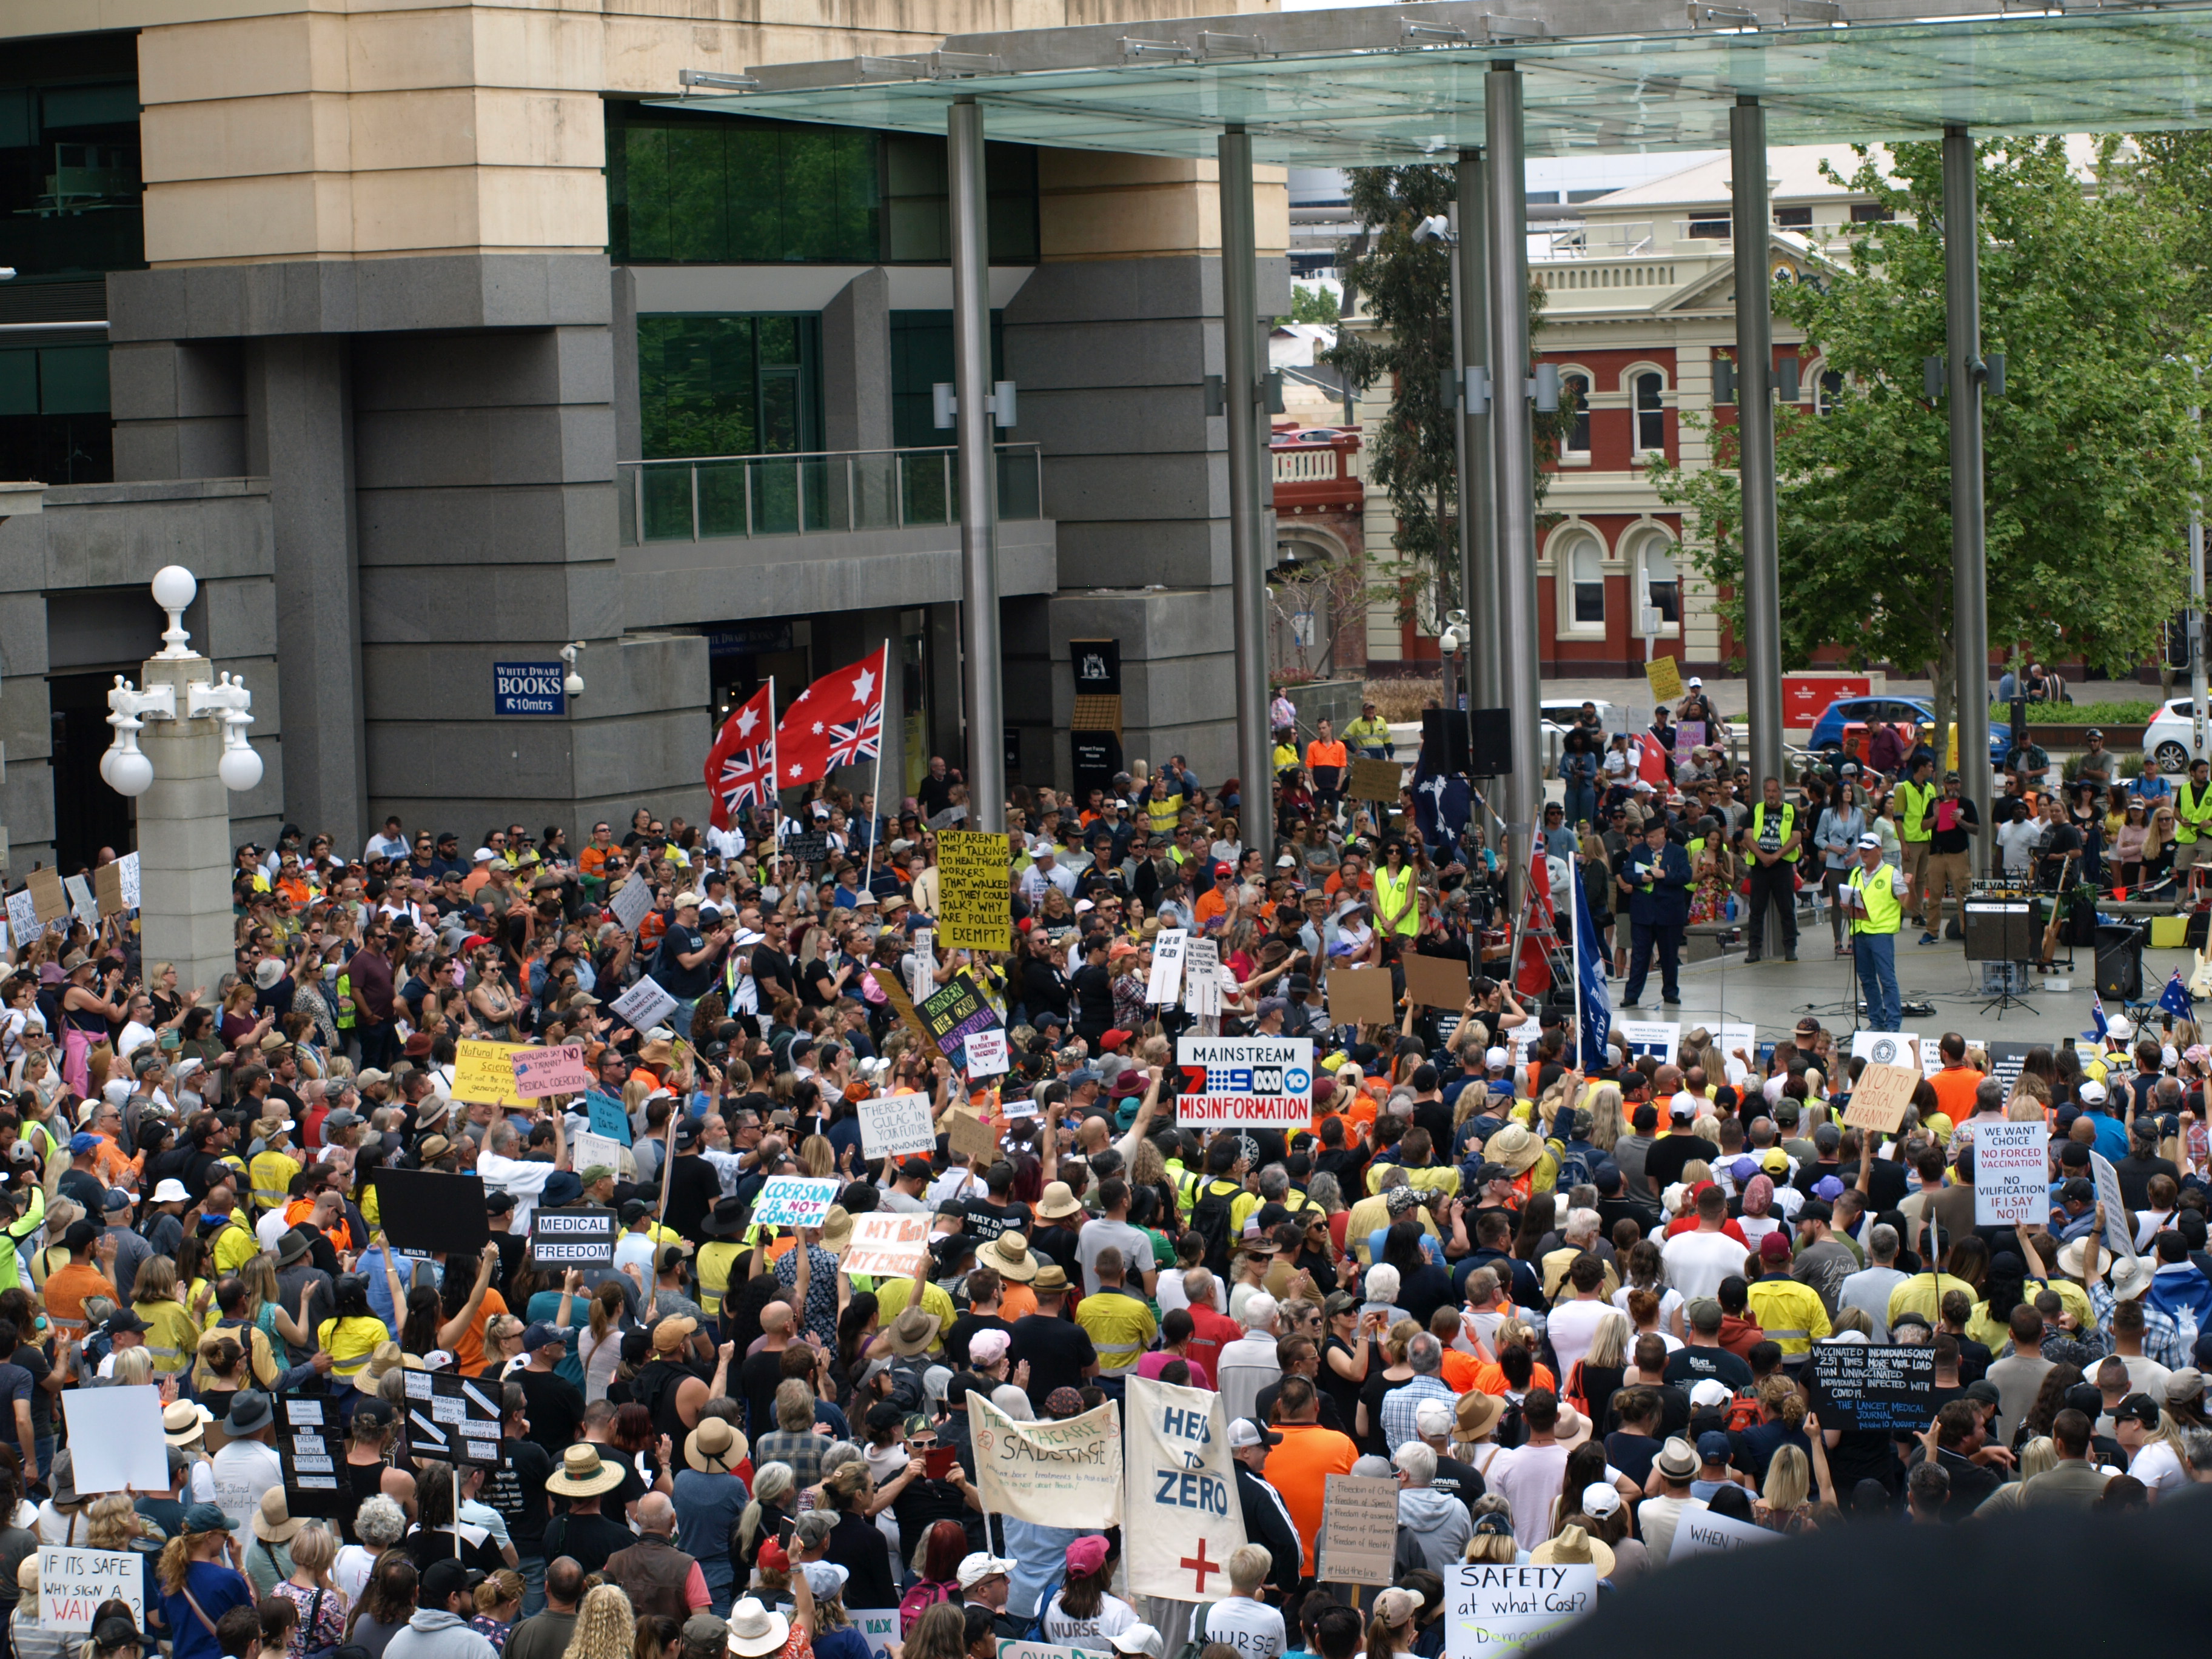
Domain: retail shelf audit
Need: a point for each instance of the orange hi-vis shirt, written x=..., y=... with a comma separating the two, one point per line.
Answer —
x=1326, y=754
x=1299, y=1469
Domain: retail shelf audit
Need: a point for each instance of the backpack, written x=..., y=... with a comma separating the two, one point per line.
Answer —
x=926, y=1594
x=1209, y=1220
x=1046, y=1597
x=1574, y=1167
x=1742, y=1413
x=1512, y=1428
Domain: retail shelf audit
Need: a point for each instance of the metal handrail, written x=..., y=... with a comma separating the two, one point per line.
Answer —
x=814, y=492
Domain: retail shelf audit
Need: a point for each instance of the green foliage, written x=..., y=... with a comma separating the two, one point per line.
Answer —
x=1312, y=305
x=2087, y=457
x=2128, y=711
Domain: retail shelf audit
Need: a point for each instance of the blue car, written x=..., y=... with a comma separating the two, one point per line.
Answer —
x=1828, y=732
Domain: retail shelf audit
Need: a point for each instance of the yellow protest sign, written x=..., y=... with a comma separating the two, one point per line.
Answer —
x=974, y=900
x=483, y=1073
x=1665, y=677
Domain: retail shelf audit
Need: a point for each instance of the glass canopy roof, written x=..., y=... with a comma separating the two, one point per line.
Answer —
x=1376, y=85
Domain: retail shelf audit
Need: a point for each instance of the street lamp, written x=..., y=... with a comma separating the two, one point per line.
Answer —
x=126, y=768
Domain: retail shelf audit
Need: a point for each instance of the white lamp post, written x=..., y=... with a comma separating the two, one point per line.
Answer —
x=181, y=764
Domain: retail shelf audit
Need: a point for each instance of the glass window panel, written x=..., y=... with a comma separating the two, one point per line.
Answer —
x=914, y=166
x=916, y=225
x=755, y=201
x=856, y=201
x=698, y=228
x=779, y=342
x=19, y=382
x=1650, y=413
x=810, y=193
x=1586, y=565
x=1578, y=434
x=637, y=176
x=1013, y=228
x=779, y=428
x=73, y=380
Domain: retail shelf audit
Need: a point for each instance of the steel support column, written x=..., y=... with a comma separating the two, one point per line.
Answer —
x=1512, y=448
x=1478, y=528
x=980, y=650
x=1249, y=557
x=1755, y=415
x=1970, y=599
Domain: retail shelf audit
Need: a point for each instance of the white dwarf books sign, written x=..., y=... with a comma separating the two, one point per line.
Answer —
x=1181, y=1517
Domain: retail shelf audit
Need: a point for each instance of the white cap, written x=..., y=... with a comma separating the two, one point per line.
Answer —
x=1873, y=841
x=1694, y=680
x=1496, y=1057
x=2090, y=1092
x=1684, y=1105
x=482, y=855
x=1139, y=1639
x=1600, y=1499
x=171, y=1190
x=1432, y=1417
x=1711, y=1392
x=687, y=901
x=974, y=1569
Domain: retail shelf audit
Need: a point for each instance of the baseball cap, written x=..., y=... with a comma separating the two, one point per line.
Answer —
x=1244, y=1431
x=1714, y=1446
x=974, y=1569
x=2138, y=1408
x=1873, y=841
x=1709, y=1395
x=544, y=1334
x=1683, y=1105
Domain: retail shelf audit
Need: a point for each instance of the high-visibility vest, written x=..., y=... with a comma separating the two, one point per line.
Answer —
x=1390, y=895
x=1877, y=891
x=345, y=1009
x=1788, y=824
x=2195, y=811
x=1917, y=798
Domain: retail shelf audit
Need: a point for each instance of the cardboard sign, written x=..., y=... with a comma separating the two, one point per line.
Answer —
x=1664, y=676
x=902, y=1005
x=587, y=1149
x=1233, y=1081
x=1362, y=996
x=1882, y=1097
x=107, y=889
x=793, y=1202
x=1376, y=780
x=953, y=1010
x=556, y=1070
x=582, y=1238
x=73, y=1583
x=1435, y=981
x=975, y=895
x=887, y=1244
x=1358, y=1529
x=987, y=1053
x=430, y=1210
x=2012, y=1175
x=48, y=900
x=1163, y=986
x=644, y=1005
x=1201, y=979
x=1701, y=1532
x=632, y=902
x=1862, y=1385
x=971, y=1137
x=608, y=1117
x=483, y=1073
x=1492, y=1606
x=116, y=1433
x=1660, y=1037
x=2119, y=1234
x=311, y=1444
x=895, y=1125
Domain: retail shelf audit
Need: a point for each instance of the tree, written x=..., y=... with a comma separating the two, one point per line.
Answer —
x=2088, y=456
x=1312, y=305
x=1413, y=452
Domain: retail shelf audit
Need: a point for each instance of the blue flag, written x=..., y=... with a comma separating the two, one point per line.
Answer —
x=2099, y=1026
x=1592, y=1002
x=1442, y=806
x=2175, y=998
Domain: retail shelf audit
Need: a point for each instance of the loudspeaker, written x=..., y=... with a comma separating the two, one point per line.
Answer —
x=1490, y=742
x=2002, y=930
x=2119, y=963
x=1444, y=740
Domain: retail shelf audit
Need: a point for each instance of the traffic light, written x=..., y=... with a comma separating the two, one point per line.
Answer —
x=2177, y=644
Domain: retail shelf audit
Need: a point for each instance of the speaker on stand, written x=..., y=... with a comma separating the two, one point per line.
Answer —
x=2119, y=963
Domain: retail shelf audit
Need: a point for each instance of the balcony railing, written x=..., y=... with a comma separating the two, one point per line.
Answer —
x=722, y=495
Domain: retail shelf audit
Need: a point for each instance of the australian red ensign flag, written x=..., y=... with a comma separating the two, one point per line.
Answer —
x=741, y=766
x=837, y=721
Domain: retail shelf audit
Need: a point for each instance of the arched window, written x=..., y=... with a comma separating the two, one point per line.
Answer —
x=1586, y=572
x=1657, y=580
x=1578, y=443
x=1825, y=390
x=1651, y=410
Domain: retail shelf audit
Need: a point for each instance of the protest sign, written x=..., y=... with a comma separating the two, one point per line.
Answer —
x=1436, y=982
x=559, y=1070
x=1010, y=1648
x=1521, y=1040
x=107, y=889
x=1860, y=1385
x=82, y=906
x=1886, y=1047
x=1361, y=996
x=608, y=1117
x=1181, y=1517
x=644, y=1005
x=1163, y=986
x=2119, y=1226
x=1882, y=1097
x=2012, y=1174
x=987, y=1053
x=588, y=1149
x=583, y=1238
x=632, y=902
x=1229, y=1081
x=1358, y=1529
x=793, y=1202
x=811, y=848
x=310, y=1443
x=953, y=1010
x=128, y=864
x=483, y=1073
x=1067, y=1473
x=902, y=1005
x=975, y=897
x=1658, y=1037
x=879, y=1627
x=1492, y=1606
x=116, y=1435
x=1376, y=780
x=1201, y=979
x=74, y=1581
x=432, y=1212
x=23, y=918
x=1689, y=736
x=896, y=1124
x=1664, y=676
x=887, y=1244
x=921, y=963
x=47, y=897
x=452, y=1417
x=1701, y=1532
x=968, y=1135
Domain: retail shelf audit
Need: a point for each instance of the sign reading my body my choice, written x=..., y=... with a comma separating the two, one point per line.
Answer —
x=529, y=687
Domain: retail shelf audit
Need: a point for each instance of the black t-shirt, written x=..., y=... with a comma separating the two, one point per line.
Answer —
x=756, y=1384
x=984, y=1221
x=556, y=1407
x=1463, y=1481
x=694, y=1189
x=1631, y=1454
x=1687, y=1367
x=1058, y=1350
x=818, y=984
x=962, y=1329
x=517, y=1490
x=773, y=967
x=1669, y=1154
x=1886, y=1186
x=2134, y=1174
x=1370, y=1395
x=590, y=1539
x=33, y=1360
x=1953, y=840
x=1342, y=1391
x=686, y=984
x=923, y=1504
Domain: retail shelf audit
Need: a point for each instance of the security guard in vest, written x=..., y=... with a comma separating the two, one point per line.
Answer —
x=1776, y=840
x=1873, y=898
x=1915, y=828
x=2192, y=817
x=1369, y=735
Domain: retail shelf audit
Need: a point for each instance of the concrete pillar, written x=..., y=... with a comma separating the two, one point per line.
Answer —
x=300, y=436
x=856, y=363
x=1754, y=415
x=982, y=700
x=1251, y=544
x=1970, y=598
x=184, y=837
x=1478, y=528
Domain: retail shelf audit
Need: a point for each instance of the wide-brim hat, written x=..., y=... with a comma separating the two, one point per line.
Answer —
x=184, y=1422
x=754, y=1631
x=1678, y=1460
x=1057, y=1200
x=387, y=1357
x=292, y=1246
x=250, y=1412
x=837, y=1229
x=2131, y=1277
x=1514, y=1146
x=1573, y=1547
x=729, y=1220
x=272, y=1522
x=913, y=1332
x=1050, y=1280
x=1477, y=1415
x=1008, y=1255
x=714, y=1447
x=2074, y=1258
x=583, y=1473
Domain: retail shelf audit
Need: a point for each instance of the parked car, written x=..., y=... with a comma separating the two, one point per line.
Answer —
x=1828, y=737
x=1556, y=717
x=2170, y=739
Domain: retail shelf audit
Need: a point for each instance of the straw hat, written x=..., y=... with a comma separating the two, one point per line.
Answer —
x=1573, y=1547
x=836, y=1230
x=913, y=1332
x=183, y=1423
x=387, y=1357
x=582, y=1474
x=1058, y=1201
x=1009, y=1256
x=714, y=1447
x=273, y=1522
x=1514, y=1146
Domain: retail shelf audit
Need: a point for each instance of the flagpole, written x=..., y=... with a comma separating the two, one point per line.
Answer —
x=768, y=796
x=876, y=790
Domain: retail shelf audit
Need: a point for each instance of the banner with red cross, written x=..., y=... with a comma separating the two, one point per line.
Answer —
x=1180, y=1516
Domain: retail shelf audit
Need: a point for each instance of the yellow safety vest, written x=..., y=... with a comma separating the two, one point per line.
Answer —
x=714, y=1261
x=1788, y=824
x=1878, y=894
x=1917, y=798
x=1390, y=895
x=2195, y=813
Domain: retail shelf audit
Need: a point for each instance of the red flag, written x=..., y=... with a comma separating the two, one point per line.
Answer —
x=741, y=766
x=1533, y=973
x=1653, y=764
x=837, y=721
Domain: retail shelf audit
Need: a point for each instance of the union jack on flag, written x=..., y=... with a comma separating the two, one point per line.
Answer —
x=741, y=766
x=853, y=741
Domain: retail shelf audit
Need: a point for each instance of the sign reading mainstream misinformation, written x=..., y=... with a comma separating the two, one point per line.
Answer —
x=1233, y=1081
x=529, y=687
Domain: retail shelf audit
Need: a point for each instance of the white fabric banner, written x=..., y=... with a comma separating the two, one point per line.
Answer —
x=1056, y=1474
x=1181, y=1515
x=1164, y=987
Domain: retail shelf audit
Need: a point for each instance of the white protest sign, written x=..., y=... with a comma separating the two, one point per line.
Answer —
x=1490, y=1606
x=644, y=1005
x=590, y=1149
x=1701, y=1532
x=74, y=1582
x=1522, y=1039
x=793, y=1202
x=632, y=902
x=898, y=1123
x=128, y=864
x=987, y=1053
x=921, y=965
x=1181, y=1517
x=1165, y=984
x=1729, y=1038
x=1886, y=1048
x=23, y=918
x=1662, y=1038
x=82, y=902
x=1229, y=1082
x=879, y=1627
x=2012, y=1174
x=2119, y=1238
x=1069, y=1471
x=116, y=1434
x=887, y=1244
x=1201, y=978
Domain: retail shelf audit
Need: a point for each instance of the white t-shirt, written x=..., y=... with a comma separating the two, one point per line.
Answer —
x=1527, y=1478
x=1113, y=1616
x=1253, y=1628
x=2159, y=1469
x=2018, y=842
x=1670, y=1299
x=1697, y=1262
x=2145, y=1376
x=1573, y=1326
x=244, y=1470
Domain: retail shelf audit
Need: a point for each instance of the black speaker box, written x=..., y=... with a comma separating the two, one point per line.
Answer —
x=1444, y=740
x=1490, y=742
x=2119, y=963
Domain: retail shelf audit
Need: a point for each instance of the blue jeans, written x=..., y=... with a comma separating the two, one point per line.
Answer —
x=43, y=1445
x=1877, y=955
x=533, y=1569
x=1581, y=802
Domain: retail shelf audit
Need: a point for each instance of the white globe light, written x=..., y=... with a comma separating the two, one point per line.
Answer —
x=174, y=586
x=129, y=773
x=239, y=769
x=106, y=755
